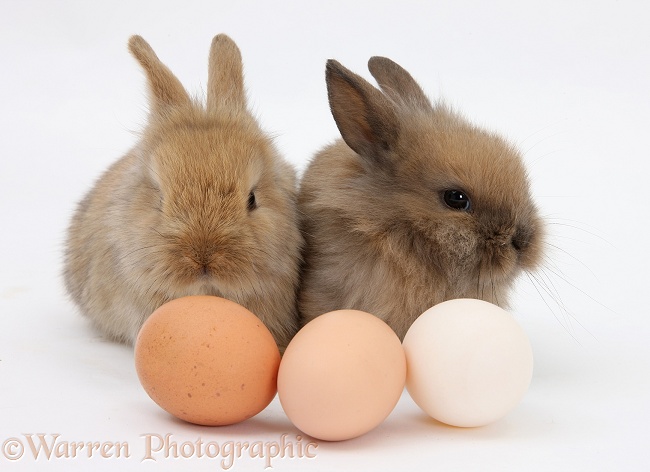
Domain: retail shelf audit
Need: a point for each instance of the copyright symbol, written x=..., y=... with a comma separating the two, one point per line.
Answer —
x=13, y=449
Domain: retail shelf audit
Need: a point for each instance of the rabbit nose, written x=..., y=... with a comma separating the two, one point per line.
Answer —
x=205, y=262
x=202, y=259
x=521, y=239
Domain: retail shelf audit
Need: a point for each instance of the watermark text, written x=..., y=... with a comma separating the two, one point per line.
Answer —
x=152, y=447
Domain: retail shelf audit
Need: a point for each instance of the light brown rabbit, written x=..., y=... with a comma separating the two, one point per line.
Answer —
x=203, y=204
x=415, y=206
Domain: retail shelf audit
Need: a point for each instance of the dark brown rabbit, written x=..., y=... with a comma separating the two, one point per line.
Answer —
x=203, y=204
x=413, y=207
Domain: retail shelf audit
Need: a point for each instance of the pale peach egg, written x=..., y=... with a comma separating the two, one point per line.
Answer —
x=341, y=375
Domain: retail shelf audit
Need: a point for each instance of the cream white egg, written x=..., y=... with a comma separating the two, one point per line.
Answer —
x=469, y=362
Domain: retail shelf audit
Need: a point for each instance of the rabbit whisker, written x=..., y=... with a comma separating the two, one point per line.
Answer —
x=590, y=233
x=495, y=296
x=568, y=282
x=567, y=253
x=541, y=290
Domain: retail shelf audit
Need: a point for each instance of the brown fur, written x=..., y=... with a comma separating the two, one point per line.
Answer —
x=171, y=218
x=379, y=236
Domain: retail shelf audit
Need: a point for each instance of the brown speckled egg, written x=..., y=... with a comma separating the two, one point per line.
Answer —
x=207, y=360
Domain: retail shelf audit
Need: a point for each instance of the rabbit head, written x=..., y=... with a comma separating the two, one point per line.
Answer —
x=441, y=207
x=203, y=204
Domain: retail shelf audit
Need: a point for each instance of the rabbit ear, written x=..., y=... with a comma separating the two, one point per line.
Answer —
x=225, y=76
x=397, y=83
x=165, y=88
x=365, y=117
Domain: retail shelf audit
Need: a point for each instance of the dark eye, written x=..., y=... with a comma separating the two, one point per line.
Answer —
x=252, y=203
x=457, y=200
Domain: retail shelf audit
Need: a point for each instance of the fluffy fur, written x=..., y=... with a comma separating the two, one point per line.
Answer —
x=379, y=235
x=203, y=204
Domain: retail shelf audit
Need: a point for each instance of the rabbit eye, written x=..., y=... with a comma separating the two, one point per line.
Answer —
x=456, y=200
x=252, y=203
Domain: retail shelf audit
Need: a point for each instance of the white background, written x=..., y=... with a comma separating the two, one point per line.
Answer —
x=568, y=81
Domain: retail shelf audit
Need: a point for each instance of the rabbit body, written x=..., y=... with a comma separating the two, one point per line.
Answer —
x=413, y=207
x=202, y=205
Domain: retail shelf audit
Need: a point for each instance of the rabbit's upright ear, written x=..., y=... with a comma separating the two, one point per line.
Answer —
x=225, y=77
x=365, y=117
x=166, y=90
x=397, y=83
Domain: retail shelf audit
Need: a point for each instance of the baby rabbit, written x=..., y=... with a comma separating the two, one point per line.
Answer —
x=415, y=206
x=202, y=205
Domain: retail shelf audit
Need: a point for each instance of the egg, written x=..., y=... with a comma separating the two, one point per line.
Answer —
x=207, y=360
x=469, y=362
x=341, y=375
